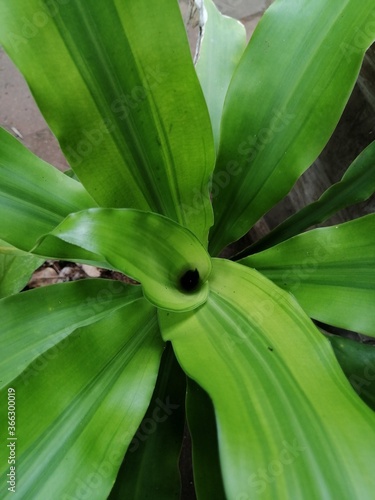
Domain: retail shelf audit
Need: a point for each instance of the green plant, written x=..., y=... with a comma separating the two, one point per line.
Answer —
x=269, y=408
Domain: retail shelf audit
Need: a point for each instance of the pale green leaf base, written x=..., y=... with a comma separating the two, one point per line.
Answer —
x=289, y=424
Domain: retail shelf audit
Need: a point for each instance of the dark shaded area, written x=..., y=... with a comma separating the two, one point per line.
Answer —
x=186, y=468
x=358, y=363
x=189, y=281
x=150, y=467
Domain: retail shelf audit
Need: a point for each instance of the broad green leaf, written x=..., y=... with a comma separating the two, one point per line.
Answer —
x=357, y=185
x=16, y=268
x=35, y=325
x=8, y=249
x=150, y=468
x=116, y=83
x=200, y=414
x=283, y=103
x=51, y=247
x=77, y=416
x=34, y=196
x=358, y=362
x=289, y=424
x=145, y=246
x=222, y=42
x=331, y=272
x=70, y=173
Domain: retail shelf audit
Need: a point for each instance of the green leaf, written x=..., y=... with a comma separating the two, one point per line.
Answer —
x=40, y=320
x=331, y=272
x=222, y=42
x=34, y=196
x=70, y=173
x=76, y=418
x=289, y=424
x=358, y=362
x=283, y=103
x=148, y=247
x=150, y=468
x=16, y=267
x=116, y=83
x=200, y=413
x=357, y=184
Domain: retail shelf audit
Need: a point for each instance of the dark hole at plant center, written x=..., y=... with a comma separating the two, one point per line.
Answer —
x=190, y=280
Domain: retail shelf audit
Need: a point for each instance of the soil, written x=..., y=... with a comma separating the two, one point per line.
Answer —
x=52, y=272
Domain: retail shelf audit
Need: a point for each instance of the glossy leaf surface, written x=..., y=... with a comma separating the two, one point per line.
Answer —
x=331, y=272
x=357, y=185
x=283, y=103
x=16, y=268
x=40, y=320
x=281, y=399
x=128, y=109
x=222, y=43
x=77, y=415
x=150, y=468
x=147, y=247
x=33, y=195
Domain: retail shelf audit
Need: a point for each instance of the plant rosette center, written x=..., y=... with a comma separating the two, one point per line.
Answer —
x=190, y=281
x=167, y=259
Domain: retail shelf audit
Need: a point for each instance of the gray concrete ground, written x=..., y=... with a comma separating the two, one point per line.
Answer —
x=20, y=116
